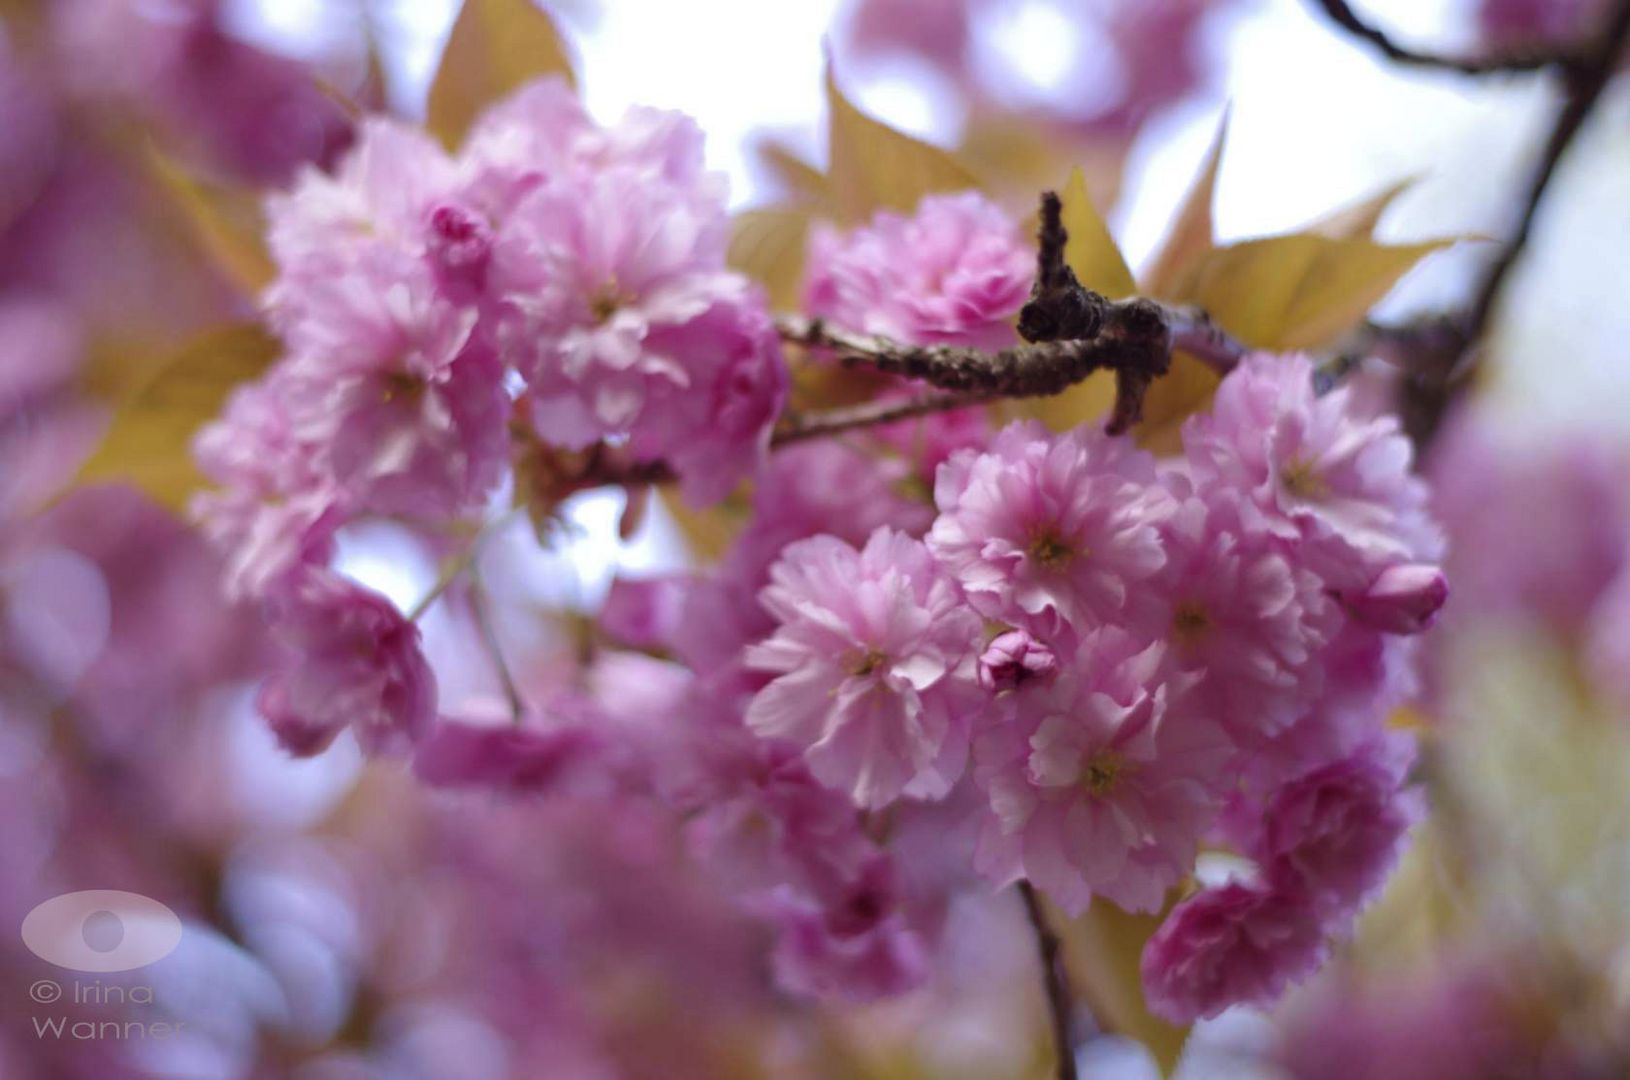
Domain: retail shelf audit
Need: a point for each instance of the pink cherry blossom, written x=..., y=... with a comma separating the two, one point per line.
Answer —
x=806, y=490
x=857, y=945
x=276, y=508
x=349, y=660
x=408, y=407
x=1314, y=471
x=1235, y=944
x=1334, y=833
x=625, y=322
x=1541, y=527
x=382, y=194
x=955, y=272
x=1097, y=785
x=1607, y=644
x=874, y=662
x=1043, y=528
x=1241, y=612
x=493, y=752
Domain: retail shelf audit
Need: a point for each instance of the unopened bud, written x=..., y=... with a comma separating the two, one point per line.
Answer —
x=1402, y=600
x=1013, y=658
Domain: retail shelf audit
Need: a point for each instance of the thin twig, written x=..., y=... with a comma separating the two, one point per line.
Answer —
x=1055, y=982
x=1342, y=14
x=489, y=639
x=1438, y=367
x=1585, y=87
x=827, y=422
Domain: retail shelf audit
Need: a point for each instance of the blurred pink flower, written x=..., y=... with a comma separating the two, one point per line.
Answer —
x=1230, y=945
x=1537, y=530
x=275, y=509
x=1334, y=833
x=349, y=660
x=858, y=945
x=955, y=272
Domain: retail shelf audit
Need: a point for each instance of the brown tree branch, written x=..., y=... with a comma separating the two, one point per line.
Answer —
x=1439, y=357
x=1070, y=332
x=1342, y=14
x=1055, y=982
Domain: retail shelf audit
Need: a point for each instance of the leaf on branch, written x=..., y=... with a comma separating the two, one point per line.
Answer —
x=708, y=532
x=149, y=441
x=496, y=47
x=1091, y=251
x=1299, y=292
x=768, y=246
x=1358, y=221
x=1104, y=950
x=1192, y=233
x=872, y=167
x=226, y=223
x=803, y=181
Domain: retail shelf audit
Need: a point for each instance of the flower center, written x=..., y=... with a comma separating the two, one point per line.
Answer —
x=1049, y=549
x=1301, y=479
x=868, y=663
x=401, y=387
x=606, y=301
x=1190, y=622
x=1099, y=774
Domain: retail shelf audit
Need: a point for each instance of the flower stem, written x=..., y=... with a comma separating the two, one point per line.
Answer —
x=1055, y=982
x=489, y=638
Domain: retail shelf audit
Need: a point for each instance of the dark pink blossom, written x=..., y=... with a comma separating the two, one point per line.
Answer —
x=350, y=660
x=1231, y=945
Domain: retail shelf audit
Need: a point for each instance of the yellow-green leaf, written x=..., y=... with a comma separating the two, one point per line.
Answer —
x=768, y=246
x=1092, y=252
x=1192, y=232
x=1360, y=219
x=496, y=47
x=1104, y=948
x=708, y=532
x=803, y=181
x=872, y=167
x=226, y=223
x=1298, y=292
x=149, y=439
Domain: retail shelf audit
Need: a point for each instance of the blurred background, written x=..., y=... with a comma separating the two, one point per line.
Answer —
x=342, y=920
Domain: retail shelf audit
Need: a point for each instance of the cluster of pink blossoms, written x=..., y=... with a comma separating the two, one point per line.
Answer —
x=1187, y=652
x=554, y=278
x=936, y=658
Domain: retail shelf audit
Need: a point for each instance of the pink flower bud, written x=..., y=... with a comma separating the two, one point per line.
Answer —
x=460, y=249
x=1013, y=658
x=1404, y=599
